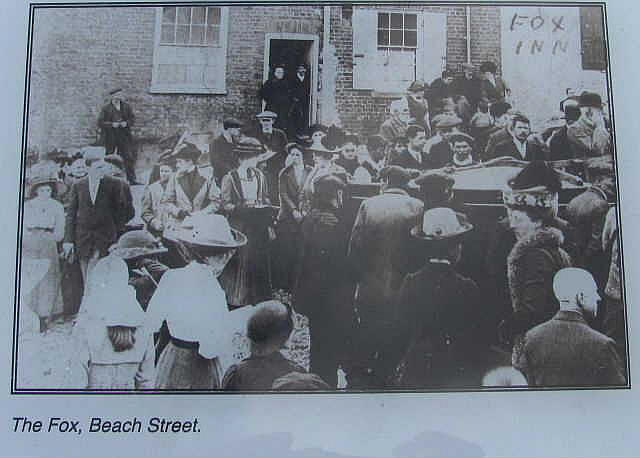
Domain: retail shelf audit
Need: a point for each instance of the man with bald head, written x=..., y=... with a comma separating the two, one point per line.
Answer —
x=268, y=329
x=566, y=351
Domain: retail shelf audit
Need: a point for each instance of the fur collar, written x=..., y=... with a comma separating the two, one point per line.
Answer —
x=545, y=237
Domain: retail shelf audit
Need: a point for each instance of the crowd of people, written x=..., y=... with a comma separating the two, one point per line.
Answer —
x=389, y=301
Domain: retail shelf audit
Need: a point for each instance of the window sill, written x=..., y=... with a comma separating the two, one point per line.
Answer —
x=186, y=90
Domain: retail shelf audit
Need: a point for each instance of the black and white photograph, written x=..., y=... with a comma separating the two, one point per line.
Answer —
x=319, y=198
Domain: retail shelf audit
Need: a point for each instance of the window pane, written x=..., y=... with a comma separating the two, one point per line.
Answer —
x=410, y=21
x=213, y=35
x=213, y=16
x=198, y=15
x=169, y=14
x=396, y=21
x=184, y=16
x=182, y=34
x=383, y=38
x=167, y=34
x=396, y=38
x=383, y=21
x=410, y=38
x=197, y=34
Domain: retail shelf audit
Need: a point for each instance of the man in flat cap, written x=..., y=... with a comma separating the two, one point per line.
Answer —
x=188, y=191
x=274, y=142
x=462, y=148
x=380, y=253
x=418, y=105
x=437, y=149
x=116, y=119
x=221, y=149
x=589, y=136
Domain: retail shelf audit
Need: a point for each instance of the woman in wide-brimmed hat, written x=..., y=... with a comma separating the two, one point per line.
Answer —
x=531, y=199
x=114, y=348
x=194, y=307
x=44, y=222
x=438, y=340
x=245, y=200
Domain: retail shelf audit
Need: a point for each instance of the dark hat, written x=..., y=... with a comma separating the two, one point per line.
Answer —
x=230, y=123
x=488, y=67
x=248, y=147
x=534, y=174
x=301, y=66
x=115, y=91
x=289, y=146
x=571, y=111
x=434, y=182
x=590, y=99
x=443, y=121
x=442, y=224
x=136, y=244
x=299, y=381
x=396, y=176
x=187, y=151
x=417, y=86
x=328, y=185
x=498, y=109
x=266, y=114
x=460, y=137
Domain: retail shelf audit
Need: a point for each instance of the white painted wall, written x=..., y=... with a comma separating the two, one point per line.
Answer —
x=540, y=60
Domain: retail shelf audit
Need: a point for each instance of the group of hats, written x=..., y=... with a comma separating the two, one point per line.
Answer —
x=536, y=187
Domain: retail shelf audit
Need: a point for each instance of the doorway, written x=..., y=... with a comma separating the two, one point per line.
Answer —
x=291, y=50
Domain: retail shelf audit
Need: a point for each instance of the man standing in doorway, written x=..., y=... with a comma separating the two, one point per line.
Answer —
x=300, y=92
x=115, y=120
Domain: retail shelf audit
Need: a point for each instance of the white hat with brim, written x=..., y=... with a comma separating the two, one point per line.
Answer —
x=442, y=225
x=209, y=230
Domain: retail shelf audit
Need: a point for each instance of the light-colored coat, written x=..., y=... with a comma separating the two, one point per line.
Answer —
x=175, y=199
x=153, y=212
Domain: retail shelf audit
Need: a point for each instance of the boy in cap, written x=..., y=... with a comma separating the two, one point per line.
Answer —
x=115, y=120
x=438, y=339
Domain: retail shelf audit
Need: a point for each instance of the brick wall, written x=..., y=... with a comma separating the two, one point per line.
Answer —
x=362, y=110
x=80, y=53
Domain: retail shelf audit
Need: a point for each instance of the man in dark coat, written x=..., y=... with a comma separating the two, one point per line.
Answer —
x=268, y=329
x=440, y=89
x=468, y=85
x=519, y=145
x=221, y=149
x=566, y=351
x=274, y=142
x=324, y=289
x=412, y=157
x=116, y=120
x=493, y=88
x=438, y=151
x=380, y=252
x=300, y=87
x=559, y=146
x=99, y=208
x=439, y=311
x=501, y=115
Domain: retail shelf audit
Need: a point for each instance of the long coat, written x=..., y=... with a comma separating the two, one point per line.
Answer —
x=439, y=312
x=116, y=136
x=222, y=157
x=96, y=226
x=565, y=351
x=323, y=290
x=277, y=96
x=531, y=266
x=175, y=198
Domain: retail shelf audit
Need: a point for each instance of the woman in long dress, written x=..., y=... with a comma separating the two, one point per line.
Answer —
x=44, y=229
x=193, y=305
x=245, y=200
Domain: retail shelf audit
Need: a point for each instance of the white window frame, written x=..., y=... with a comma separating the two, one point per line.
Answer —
x=220, y=87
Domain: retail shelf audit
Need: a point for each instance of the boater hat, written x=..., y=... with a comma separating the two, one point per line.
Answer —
x=137, y=244
x=442, y=224
x=209, y=230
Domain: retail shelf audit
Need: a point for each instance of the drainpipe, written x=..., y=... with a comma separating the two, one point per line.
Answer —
x=468, y=34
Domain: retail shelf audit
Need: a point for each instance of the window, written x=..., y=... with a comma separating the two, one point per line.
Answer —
x=190, y=50
x=391, y=49
x=195, y=26
x=397, y=31
x=594, y=51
